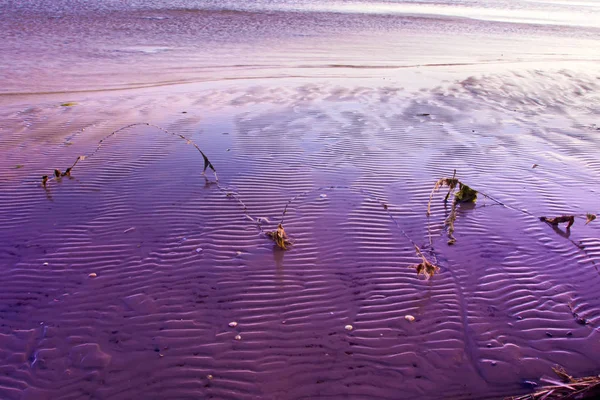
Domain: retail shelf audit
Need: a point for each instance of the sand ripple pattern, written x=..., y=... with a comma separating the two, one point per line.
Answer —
x=177, y=259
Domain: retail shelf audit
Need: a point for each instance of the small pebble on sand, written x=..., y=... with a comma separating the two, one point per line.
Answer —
x=233, y=324
x=93, y=275
x=348, y=327
x=238, y=337
x=409, y=318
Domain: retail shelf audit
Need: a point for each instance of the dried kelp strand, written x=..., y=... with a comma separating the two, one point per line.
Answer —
x=207, y=163
x=569, y=219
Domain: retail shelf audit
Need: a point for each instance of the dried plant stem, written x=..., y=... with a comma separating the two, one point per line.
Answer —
x=59, y=174
x=569, y=388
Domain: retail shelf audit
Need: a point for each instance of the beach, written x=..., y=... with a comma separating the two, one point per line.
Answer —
x=145, y=274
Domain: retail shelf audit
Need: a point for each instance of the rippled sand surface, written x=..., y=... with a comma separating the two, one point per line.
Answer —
x=140, y=277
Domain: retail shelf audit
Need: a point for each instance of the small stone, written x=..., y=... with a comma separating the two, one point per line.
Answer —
x=548, y=334
x=233, y=324
x=323, y=196
x=494, y=363
x=45, y=264
x=210, y=377
x=93, y=275
x=348, y=327
x=238, y=337
x=199, y=250
x=489, y=345
x=409, y=318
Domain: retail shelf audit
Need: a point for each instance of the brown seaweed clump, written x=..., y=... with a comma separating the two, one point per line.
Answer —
x=425, y=267
x=279, y=237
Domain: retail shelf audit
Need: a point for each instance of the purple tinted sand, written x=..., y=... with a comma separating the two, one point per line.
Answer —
x=154, y=321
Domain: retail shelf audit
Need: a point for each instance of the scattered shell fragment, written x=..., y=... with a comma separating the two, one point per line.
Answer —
x=93, y=275
x=45, y=264
x=238, y=337
x=233, y=324
x=348, y=327
x=409, y=318
x=199, y=250
x=209, y=377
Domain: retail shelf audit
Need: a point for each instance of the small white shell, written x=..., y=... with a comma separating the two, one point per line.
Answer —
x=233, y=324
x=348, y=327
x=409, y=318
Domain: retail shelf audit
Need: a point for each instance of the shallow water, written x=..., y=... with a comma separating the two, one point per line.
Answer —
x=337, y=114
x=81, y=45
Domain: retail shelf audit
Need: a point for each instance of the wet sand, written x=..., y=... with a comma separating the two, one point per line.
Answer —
x=178, y=257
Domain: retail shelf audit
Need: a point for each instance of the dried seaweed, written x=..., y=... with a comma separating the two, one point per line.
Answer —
x=569, y=219
x=207, y=163
x=279, y=237
x=425, y=267
x=569, y=388
x=58, y=173
x=589, y=218
x=466, y=194
x=450, y=183
x=449, y=223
